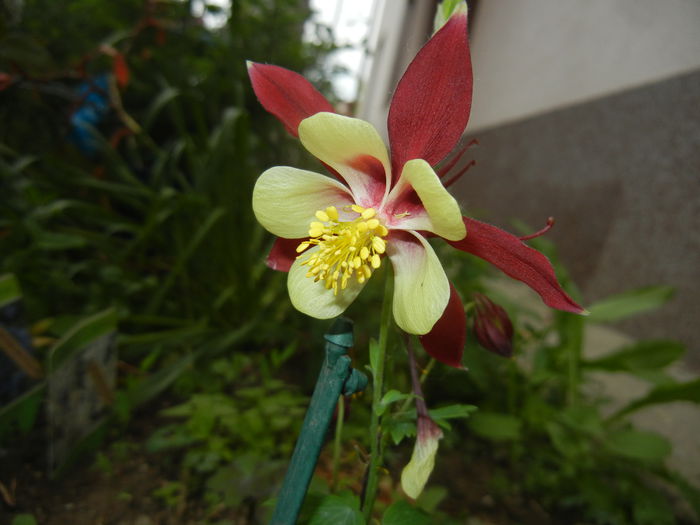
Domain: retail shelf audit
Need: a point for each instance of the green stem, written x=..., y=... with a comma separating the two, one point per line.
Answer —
x=375, y=431
x=575, y=348
x=340, y=417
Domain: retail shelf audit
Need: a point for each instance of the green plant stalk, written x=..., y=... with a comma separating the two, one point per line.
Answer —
x=575, y=351
x=340, y=417
x=375, y=430
x=572, y=383
x=336, y=377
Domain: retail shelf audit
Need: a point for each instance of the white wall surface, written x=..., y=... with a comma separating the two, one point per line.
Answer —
x=532, y=56
x=400, y=29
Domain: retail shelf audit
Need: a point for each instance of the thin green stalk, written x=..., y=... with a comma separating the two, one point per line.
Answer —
x=340, y=417
x=574, y=333
x=375, y=431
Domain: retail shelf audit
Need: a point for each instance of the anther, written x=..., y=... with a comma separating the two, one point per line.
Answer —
x=344, y=249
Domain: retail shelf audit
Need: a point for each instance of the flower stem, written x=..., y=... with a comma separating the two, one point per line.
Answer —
x=375, y=430
x=340, y=417
x=421, y=408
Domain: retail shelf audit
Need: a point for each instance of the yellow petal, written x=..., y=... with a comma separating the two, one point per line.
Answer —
x=421, y=288
x=442, y=215
x=340, y=141
x=415, y=475
x=286, y=199
x=313, y=298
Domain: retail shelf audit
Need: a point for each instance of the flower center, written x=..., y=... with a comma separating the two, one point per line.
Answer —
x=345, y=248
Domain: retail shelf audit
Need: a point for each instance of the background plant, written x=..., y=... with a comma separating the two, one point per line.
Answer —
x=146, y=207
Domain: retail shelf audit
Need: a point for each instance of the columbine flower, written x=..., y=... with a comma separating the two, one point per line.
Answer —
x=335, y=232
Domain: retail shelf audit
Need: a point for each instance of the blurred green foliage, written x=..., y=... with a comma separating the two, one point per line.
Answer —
x=129, y=145
x=155, y=220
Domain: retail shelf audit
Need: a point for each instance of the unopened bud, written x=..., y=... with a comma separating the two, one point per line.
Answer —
x=492, y=327
x=415, y=475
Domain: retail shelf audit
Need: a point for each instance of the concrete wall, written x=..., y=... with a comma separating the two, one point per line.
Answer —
x=536, y=55
x=401, y=29
x=621, y=175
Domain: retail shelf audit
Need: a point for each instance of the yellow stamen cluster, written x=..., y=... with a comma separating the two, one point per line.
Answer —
x=345, y=248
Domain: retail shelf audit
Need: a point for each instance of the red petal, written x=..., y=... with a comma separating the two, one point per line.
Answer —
x=283, y=254
x=516, y=259
x=286, y=94
x=445, y=342
x=431, y=105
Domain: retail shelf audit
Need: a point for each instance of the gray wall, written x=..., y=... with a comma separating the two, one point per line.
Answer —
x=621, y=175
x=537, y=55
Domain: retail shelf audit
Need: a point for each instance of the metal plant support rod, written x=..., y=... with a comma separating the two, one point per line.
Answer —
x=336, y=377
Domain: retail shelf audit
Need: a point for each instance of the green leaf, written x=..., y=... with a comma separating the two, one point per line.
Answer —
x=582, y=418
x=338, y=510
x=24, y=519
x=666, y=393
x=403, y=513
x=431, y=497
x=392, y=396
x=638, y=444
x=58, y=241
x=568, y=443
x=22, y=411
x=199, y=235
x=399, y=428
x=9, y=289
x=645, y=355
x=495, y=426
x=628, y=304
x=84, y=332
x=25, y=50
x=167, y=94
x=452, y=412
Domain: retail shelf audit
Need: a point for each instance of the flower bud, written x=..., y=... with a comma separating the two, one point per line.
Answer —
x=492, y=327
x=415, y=475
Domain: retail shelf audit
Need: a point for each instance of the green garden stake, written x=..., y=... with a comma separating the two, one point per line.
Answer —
x=336, y=377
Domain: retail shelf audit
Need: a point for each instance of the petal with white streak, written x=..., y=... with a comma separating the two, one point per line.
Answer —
x=354, y=149
x=285, y=199
x=421, y=288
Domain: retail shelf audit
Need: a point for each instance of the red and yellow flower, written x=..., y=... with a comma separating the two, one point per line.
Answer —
x=334, y=232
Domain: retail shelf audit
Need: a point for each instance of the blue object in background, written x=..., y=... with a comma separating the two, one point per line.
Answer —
x=93, y=95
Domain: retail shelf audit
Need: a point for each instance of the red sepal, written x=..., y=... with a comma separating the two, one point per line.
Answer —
x=516, y=259
x=283, y=254
x=445, y=342
x=432, y=101
x=286, y=94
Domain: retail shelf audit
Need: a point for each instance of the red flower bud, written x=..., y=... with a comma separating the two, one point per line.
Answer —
x=492, y=326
